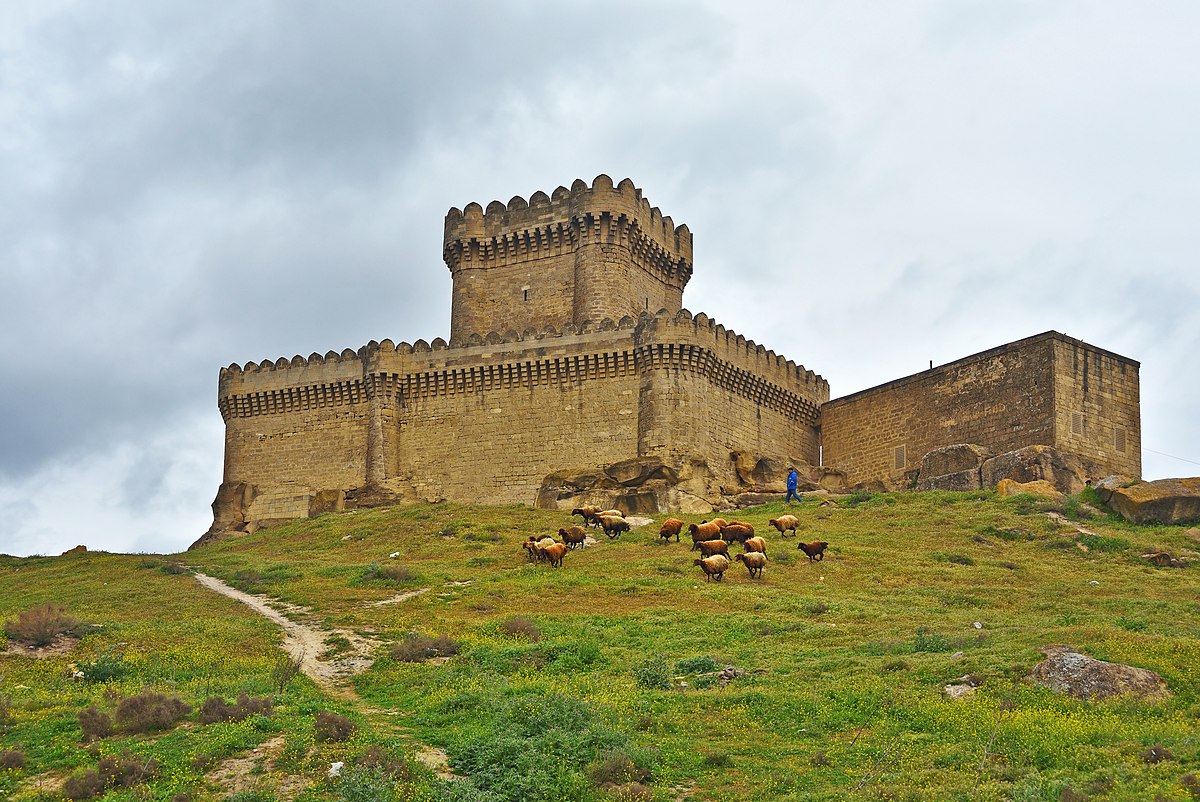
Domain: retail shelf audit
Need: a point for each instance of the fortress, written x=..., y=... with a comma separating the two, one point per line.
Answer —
x=573, y=373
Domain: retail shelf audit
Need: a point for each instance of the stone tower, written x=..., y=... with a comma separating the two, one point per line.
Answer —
x=579, y=254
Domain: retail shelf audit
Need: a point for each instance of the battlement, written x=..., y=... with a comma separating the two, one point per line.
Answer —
x=505, y=223
x=584, y=253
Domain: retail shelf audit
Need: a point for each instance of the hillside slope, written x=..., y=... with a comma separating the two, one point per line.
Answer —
x=597, y=680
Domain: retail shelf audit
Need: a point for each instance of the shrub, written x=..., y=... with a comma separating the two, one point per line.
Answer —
x=11, y=760
x=174, y=569
x=894, y=665
x=1191, y=784
x=716, y=759
x=925, y=641
x=957, y=559
x=216, y=709
x=40, y=625
x=418, y=648
x=105, y=668
x=84, y=785
x=6, y=716
x=332, y=727
x=632, y=792
x=520, y=626
x=391, y=572
x=1103, y=543
x=150, y=712
x=366, y=784
x=284, y=671
x=1069, y=794
x=126, y=770
x=857, y=497
x=816, y=608
x=616, y=768
x=1157, y=754
x=696, y=665
x=385, y=761
x=95, y=724
x=653, y=673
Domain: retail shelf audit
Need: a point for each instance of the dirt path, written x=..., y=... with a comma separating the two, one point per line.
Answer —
x=306, y=641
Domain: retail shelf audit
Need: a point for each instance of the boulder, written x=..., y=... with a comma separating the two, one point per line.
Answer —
x=953, y=467
x=1162, y=559
x=833, y=480
x=1066, y=671
x=1164, y=501
x=1110, y=484
x=768, y=473
x=1065, y=471
x=1038, y=487
x=80, y=549
x=960, y=481
x=639, y=470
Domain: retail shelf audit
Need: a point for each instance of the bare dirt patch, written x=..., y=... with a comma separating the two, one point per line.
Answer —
x=438, y=762
x=399, y=597
x=247, y=772
x=61, y=645
x=306, y=641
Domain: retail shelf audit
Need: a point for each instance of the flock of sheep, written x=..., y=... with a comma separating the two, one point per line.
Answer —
x=711, y=538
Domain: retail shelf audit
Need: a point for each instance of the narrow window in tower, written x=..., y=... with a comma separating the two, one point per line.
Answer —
x=524, y=293
x=1077, y=423
x=1119, y=439
x=900, y=458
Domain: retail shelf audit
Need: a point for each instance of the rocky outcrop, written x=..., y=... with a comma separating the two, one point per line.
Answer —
x=1165, y=501
x=1066, y=671
x=1066, y=472
x=955, y=467
x=1038, y=487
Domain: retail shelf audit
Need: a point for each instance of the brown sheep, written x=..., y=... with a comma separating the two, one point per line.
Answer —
x=708, y=531
x=554, y=554
x=714, y=566
x=613, y=526
x=585, y=512
x=755, y=544
x=717, y=521
x=815, y=550
x=671, y=526
x=755, y=561
x=710, y=547
x=785, y=523
x=737, y=532
x=573, y=536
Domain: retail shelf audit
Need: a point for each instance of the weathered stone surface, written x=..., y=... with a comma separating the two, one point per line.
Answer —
x=832, y=480
x=1193, y=533
x=1038, y=487
x=1064, y=471
x=639, y=470
x=961, y=481
x=1162, y=559
x=1066, y=671
x=80, y=549
x=953, y=459
x=1110, y=484
x=324, y=501
x=1166, y=501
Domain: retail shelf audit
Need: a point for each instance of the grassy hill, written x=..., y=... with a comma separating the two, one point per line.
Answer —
x=596, y=681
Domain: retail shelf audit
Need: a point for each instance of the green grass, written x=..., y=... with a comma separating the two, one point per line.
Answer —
x=846, y=658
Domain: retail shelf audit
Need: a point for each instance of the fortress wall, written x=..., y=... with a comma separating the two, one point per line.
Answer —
x=1097, y=406
x=299, y=421
x=522, y=294
x=1002, y=398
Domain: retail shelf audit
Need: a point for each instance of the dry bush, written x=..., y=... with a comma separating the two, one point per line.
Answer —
x=419, y=648
x=522, y=627
x=95, y=724
x=386, y=762
x=11, y=760
x=285, y=670
x=39, y=626
x=1157, y=754
x=126, y=770
x=149, y=712
x=7, y=719
x=632, y=792
x=332, y=727
x=615, y=768
x=85, y=785
x=215, y=708
x=389, y=572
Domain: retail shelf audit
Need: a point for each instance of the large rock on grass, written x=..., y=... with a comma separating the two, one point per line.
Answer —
x=1066, y=671
x=955, y=467
x=1065, y=471
x=1165, y=501
x=1038, y=487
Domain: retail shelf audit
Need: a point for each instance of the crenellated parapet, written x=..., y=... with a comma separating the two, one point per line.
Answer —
x=583, y=253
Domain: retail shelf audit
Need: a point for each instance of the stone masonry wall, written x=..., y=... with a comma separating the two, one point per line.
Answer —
x=1002, y=399
x=1097, y=406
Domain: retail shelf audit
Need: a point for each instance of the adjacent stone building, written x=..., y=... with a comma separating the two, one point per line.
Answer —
x=573, y=372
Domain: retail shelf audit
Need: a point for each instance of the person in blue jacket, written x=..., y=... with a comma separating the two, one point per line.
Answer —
x=791, y=485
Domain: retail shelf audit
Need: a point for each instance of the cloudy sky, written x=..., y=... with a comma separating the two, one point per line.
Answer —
x=871, y=186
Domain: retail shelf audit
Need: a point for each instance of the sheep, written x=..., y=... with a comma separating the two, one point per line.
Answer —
x=715, y=565
x=737, y=532
x=574, y=536
x=699, y=532
x=785, y=523
x=554, y=554
x=612, y=513
x=585, y=512
x=815, y=550
x=671, y=526
x=755, y=544
x=710, y=547
x=717, y=521
x=535, y=545
x=613, y=526
x=755, y=561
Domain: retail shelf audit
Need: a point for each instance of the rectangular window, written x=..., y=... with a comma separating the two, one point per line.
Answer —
x=1119, y=439
x=1077, y=423
x=899, y=457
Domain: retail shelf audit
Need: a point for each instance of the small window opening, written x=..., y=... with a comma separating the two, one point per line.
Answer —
x=900, y=458
x=1077, y=423
x=647, y=303
x=1119, y=439
x=524, y=293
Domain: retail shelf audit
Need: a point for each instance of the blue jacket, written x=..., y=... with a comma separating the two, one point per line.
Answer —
x=792, y=477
